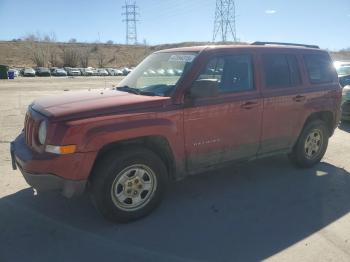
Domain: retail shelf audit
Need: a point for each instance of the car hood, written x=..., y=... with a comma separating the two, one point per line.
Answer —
x=89, y=103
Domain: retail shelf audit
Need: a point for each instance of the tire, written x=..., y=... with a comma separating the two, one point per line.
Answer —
x=118, y=184
x=310, y=149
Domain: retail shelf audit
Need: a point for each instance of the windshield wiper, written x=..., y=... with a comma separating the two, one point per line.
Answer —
x=135, y=91
x=148, y=93
x=129, y=89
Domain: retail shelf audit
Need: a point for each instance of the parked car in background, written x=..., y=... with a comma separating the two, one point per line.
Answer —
x=28, y=72
x=160, y=71
x=178, y=72
x=343, y=70
x=59, y=72
x=111, y=71
x=94, y=72
x=81, y=71
x=16, y=72
x=346, y=103
x=102, y=72
x=126, y=144
x=53, y=69
x=151, y=72
x=73, y=72
x=126, y=71
x=118, y=72
x=170, y=72
x=42, y=71
x=87, y=72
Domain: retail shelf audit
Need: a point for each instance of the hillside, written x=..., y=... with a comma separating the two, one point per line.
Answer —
x=23, y=53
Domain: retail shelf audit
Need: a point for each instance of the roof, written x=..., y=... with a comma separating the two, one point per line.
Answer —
x=224, y=47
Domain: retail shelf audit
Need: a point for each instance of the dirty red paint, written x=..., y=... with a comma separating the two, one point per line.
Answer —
x=200, y=134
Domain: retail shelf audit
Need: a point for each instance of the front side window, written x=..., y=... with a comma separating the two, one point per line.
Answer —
x=213, y=70
x=158, y=74
x=234, y=73
x=320, y=68
x=281, y=71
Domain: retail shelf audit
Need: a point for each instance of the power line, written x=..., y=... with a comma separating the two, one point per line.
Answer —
x=130, y=13
x=225, y=20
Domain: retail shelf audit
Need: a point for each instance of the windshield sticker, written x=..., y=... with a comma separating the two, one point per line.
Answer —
x=181, y=58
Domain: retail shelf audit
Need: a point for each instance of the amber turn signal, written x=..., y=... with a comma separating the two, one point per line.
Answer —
x=61, y=150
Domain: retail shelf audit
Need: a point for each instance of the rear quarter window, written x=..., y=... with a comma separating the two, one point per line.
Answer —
x=319, y=68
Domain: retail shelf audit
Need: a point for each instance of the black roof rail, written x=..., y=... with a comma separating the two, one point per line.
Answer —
x=288, y=44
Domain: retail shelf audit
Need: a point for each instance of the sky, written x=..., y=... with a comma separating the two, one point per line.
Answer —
x=322, y=22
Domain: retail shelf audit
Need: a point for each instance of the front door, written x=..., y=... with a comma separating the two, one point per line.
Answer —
x=227, y=126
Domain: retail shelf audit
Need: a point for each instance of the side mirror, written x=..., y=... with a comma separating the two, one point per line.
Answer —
x=204, y=88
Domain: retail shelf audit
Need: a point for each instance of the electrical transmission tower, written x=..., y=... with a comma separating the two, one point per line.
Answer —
x=130, y=13
x=225, y=20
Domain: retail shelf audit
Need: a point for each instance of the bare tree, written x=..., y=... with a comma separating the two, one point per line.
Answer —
x=49, y=37
x=94, y=48
x=72, y=40
x=53, y=57
x=70, y=57
x=101, y=59
x=84, y=56
x=40, y=37
x=42, y=51
x=31, y=37
x=38, y=52
x=39, y=57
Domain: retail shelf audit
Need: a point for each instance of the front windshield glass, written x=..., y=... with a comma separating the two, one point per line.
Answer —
x=343, y=70
x=158, y=74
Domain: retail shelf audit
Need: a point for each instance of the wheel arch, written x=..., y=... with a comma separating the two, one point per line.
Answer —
x=325, y=116
x=156, y=143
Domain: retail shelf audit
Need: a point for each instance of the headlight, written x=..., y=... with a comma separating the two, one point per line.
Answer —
x=42, y=132
x=346, y=89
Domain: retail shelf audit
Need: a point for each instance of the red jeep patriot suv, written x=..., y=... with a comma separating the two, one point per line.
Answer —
x=179, y=112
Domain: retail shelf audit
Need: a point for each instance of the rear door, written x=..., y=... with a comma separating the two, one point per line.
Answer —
x=225, y=127
x=282, y=100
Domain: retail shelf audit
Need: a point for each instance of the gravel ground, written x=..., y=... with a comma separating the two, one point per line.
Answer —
x=263, y=210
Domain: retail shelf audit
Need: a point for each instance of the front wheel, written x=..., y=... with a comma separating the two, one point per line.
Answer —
x=311, y=145
x=127, y=185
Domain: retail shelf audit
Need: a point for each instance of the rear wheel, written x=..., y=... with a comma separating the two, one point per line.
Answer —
x=127, y=185
x=311, y=145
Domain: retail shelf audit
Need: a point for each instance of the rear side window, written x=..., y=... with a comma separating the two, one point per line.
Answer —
x=281, y=70
x=319, y=68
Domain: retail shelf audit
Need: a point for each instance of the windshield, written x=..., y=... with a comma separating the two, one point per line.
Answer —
x=343, y=70
x=159, y=73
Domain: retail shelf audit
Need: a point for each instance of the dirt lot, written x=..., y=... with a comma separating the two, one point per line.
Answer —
x=262, y=210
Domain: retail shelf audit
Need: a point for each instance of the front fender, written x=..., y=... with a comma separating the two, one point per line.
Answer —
x=91, y=135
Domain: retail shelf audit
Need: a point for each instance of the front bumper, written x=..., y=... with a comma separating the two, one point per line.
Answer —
x=67, y=173
x=46, y=182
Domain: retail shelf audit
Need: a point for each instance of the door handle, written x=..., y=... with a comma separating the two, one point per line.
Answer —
x=299, y=98
x=249, y=105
